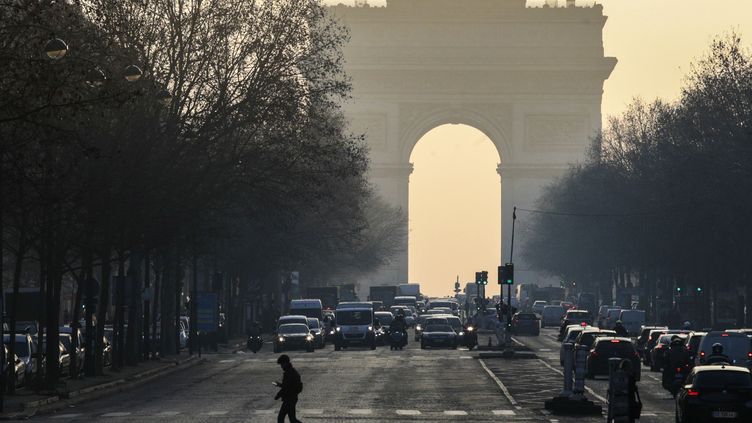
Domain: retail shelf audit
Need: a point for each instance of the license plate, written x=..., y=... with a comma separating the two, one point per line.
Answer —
x=725, y=414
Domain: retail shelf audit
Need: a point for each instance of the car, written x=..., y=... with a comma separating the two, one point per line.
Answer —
x=650, y=343
x=552, y=315
x=26, y=350
x=20, y=368
x=355, y=326
x=453, y=306
x=293, y=336
x=292, y=318
x=317, y=329
x=385, y=319
x=632, y=320
x=606, y=347
x=659, y=353
x=642, y=339
x=438, y=335
x=67, y=340
x=692, y=344
x=612, y=316
x=523, y=322
x=538, y=306
x=572, y=317
x=429, y=320
x=63, y=356
x=715, y=393
x=587, y=337
x=737, y=346
x=570, y=336
x=106, y=352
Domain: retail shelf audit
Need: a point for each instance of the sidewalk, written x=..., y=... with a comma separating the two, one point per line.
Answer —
x=25, y=403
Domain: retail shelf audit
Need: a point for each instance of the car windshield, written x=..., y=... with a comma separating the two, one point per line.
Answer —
x=573, y=334
x=722, y=379
x=293, y=328
x=313, y=323
x=438, y=328
x=385, y=318
x=353, y=317
x=527, y=316
x=435, y=321
x=615, y=346
x=577, y=315
x=455, y=323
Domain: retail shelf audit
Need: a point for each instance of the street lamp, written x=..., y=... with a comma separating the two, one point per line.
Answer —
x=164, y=97
x=132, y=73
x=56, y=49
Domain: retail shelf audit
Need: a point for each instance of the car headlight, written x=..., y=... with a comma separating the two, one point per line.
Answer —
x=331, y=332
x=470, y=328
x=281, y=339
x=338, y=329
x=370, y=328
x=461, y=333
x=418, y=327
x=309, y=338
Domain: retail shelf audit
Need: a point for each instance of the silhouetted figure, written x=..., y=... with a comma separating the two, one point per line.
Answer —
x=290, y=387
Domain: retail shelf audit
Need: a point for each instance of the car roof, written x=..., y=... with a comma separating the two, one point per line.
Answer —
x=715, y=333
x=290, y=316
x=595, y=329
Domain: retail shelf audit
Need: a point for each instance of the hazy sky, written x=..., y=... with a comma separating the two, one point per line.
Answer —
x=654, y=40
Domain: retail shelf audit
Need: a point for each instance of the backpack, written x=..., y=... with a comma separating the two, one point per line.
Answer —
x=299, y=389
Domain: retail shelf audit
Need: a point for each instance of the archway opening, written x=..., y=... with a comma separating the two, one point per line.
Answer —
x=455, y=209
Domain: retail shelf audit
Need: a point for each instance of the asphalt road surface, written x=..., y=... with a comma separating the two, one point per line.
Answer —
x=358, y=384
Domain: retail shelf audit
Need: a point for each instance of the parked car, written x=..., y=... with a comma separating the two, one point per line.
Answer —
x=291, y=336
x=715, y=393
x=606, y=347
x=67, y=334
x=528, y=323
x=26, y=350
x=552, y=315
x=438, y=335
x=20, y=367
x=106, y=352
x=737, y=346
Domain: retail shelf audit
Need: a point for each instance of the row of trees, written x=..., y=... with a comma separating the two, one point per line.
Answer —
x=662, y=203
x=167, y=136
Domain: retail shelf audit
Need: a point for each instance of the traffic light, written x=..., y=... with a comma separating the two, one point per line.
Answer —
x=699, y=290
x=678, y=289
x=506, y=274
x=484, y=277
x=477, y=278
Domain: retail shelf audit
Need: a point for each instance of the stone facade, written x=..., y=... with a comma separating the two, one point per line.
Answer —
x=531, y=79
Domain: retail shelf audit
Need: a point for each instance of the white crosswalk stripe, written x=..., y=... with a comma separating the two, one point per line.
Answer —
x=361, y=411
x=408, y=412
x=504, y=412
x=311, y=411
x=167, y=413
x=455, y=413
x=117, y=414
x=67, y=416
x=216, y=413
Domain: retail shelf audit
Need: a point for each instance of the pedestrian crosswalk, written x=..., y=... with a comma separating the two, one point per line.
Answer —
x=310, y=359
x=368, y=413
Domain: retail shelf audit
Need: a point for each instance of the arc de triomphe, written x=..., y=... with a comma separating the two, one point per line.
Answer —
x=531, y=79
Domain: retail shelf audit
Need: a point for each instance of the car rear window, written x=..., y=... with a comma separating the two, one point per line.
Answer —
x=722, y=379
x=736, y=347
x=578, y=315
x=438, y=328
x=527, y=316
x=616, y=346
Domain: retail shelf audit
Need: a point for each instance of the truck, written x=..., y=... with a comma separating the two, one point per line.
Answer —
x=347, y=292
x=409, y=289
x=385, y=294
x=329, y=295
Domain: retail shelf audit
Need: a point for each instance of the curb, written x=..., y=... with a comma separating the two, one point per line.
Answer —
x=53, y=403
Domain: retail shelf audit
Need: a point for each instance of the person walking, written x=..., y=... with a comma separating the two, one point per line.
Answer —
x=290, y=387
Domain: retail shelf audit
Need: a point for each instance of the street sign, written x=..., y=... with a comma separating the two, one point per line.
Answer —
x=206, y=312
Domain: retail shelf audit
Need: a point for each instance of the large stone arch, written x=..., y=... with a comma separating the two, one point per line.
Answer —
x=531, y=79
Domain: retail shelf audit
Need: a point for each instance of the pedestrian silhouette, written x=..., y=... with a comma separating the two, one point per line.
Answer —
x=290, y=387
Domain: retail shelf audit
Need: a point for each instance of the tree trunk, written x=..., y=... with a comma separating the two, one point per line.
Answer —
x=146, y=343
x=104, y=304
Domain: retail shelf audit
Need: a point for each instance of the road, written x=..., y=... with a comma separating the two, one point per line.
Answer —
x=358, y=384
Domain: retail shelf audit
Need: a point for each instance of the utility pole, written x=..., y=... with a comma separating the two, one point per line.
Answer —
x=508, y=337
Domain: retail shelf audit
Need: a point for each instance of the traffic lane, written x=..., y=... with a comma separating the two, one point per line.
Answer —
x=657, y=402
x=351, y=385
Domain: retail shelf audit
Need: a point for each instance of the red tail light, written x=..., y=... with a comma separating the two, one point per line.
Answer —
x=583, y=324
x=593, y=354
x=749, y=355
x=724, y=334
x=702, y=354
x=693, y=392
x=659, y=346
x=615, y=341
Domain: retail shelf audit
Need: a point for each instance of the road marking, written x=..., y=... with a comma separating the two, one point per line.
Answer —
x=360, y=411
x=227, y=361
x=504, y=413
x=498, y=382
x=408, y=412
x=312, y=411
x=167, y=413
x=649, y=414
x=455, y=413
x=117, y=414
x=269, y=411
x=587, y=388
x=66, y=416
x=216, y=413
x=466, y=357
x=545, y=349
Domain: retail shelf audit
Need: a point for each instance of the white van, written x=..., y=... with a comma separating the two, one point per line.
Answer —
x=308, y=308
x=632, y=320
x=354, y=327
x=612, y=315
